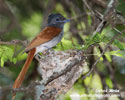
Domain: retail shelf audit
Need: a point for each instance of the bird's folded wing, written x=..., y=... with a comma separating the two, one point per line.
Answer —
x=46, y=35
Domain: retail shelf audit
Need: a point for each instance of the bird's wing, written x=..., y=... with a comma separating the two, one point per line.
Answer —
x=46, y=35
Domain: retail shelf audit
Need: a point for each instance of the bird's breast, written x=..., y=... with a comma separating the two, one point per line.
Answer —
x=49, y=44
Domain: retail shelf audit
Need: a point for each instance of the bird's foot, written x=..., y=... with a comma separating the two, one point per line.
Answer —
x=48, y=51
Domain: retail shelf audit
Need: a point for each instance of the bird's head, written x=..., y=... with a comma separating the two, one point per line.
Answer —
x=57, y=20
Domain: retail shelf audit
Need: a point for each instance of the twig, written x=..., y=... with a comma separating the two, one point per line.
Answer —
x=14, y=42
x=99, y=28
x=117, y=30
x=92, y=12
x=26, y=89
x=101, y=25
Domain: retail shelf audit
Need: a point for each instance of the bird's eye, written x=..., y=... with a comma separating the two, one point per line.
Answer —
x=57, y=19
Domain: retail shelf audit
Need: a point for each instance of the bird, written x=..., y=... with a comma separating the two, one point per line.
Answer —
x=49, y=37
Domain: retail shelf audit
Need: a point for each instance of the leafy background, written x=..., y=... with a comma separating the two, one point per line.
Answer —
x=28, y=17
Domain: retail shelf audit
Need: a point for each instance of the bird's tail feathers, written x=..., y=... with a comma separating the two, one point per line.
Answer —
x=22, y=73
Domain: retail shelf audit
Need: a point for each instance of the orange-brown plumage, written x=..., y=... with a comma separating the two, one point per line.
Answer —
x=46, y=35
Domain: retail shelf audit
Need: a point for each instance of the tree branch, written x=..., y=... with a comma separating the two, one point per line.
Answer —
x=14, y=42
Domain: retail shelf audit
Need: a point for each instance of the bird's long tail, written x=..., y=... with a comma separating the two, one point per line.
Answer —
x=22, y=73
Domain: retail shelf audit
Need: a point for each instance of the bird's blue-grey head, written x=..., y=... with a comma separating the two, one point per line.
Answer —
x=57, y=20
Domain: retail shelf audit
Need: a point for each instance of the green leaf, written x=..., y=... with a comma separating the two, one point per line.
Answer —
x=64, y=45
x=2, y=62
x=116, y=53
x=14, y=60
x=119, y=45
x=96, y=39
x=108, y=57
x=109, y=82
x=67, y=44
x=6, y=54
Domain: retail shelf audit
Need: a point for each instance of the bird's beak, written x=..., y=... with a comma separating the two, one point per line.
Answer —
x=67, y=20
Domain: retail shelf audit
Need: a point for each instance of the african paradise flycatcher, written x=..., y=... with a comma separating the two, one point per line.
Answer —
x=49, y=37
